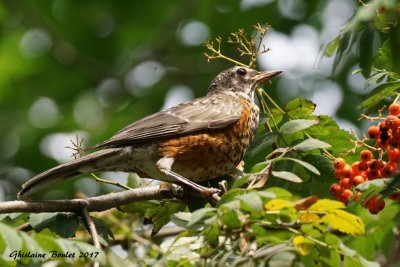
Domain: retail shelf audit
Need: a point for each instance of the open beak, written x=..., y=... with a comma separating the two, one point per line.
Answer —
x=264, y=76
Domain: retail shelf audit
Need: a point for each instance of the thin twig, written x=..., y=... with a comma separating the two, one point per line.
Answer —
x=92, y=230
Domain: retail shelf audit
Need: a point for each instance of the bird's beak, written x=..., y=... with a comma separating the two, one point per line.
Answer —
x=264, y=76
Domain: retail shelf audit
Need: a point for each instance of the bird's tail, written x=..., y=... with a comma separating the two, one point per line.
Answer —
x=96, y=161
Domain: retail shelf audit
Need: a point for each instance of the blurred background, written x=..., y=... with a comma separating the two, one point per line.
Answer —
x=92, y=67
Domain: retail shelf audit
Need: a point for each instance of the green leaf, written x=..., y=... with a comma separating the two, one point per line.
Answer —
x=200, y=214
x=296, y=125
x=212, y=234
x=181, y=218
x=381, y=92
x=251, y=202
x=332, y=46
x=230, y=219
x=311, y=144
x=163, y=214
x=140, y=207
x=289, y=176
x=306, y=165
x=262, y=143
x=366, y=51
x=62, y=223
x=300, y=108
x=10, y=240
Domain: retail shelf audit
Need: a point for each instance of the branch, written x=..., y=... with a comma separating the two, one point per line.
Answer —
x=99, y=203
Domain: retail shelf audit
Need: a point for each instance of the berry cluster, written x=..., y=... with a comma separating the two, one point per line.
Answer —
x=387, y=137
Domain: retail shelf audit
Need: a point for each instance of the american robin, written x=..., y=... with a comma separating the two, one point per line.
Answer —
x=196, y=141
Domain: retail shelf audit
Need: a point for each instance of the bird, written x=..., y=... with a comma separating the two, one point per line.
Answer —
x=193, y=142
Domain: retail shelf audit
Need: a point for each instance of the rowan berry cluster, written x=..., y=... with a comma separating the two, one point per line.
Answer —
x=387, y=137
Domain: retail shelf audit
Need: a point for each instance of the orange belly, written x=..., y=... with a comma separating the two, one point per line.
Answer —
x=214, y=153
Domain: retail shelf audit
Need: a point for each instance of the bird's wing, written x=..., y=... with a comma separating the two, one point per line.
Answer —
x=201, y=114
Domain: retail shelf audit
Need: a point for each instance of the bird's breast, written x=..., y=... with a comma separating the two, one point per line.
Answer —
x=213, y=153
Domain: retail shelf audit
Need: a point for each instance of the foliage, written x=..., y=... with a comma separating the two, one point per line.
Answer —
x=277, y=211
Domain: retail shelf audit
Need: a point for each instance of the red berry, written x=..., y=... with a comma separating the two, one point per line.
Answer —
x=393, y=154
x=336, y=190
x=339, y=163
x=381, y=144
x=347, y=172
x=388, y=170
x=392, y=122
x=373, y=132
x=374, y=165
x=394, y=109
x=371, y=202
x=356, y=168
x=358, y=179
x=346, y=195
x=395, y=196
x=346, y=183
x=366, y=155
x=363, y=165
x=356, y=196
x=377, y=207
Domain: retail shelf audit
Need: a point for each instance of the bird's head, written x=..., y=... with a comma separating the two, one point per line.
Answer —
x=240, y=80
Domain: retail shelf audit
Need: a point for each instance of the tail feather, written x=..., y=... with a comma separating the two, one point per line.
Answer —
x=86, y=164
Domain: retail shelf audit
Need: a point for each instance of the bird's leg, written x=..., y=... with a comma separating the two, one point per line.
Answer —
x=164, y=166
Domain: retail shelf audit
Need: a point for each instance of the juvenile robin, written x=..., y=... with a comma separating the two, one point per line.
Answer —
x=196, y=141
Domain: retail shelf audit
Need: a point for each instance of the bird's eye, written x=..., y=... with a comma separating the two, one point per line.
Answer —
x=241, y=72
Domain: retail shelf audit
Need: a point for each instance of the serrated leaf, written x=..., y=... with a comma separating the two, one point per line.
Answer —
x=163, y=213
x=278, y=204
x=306, y=165
x=181, y=218
x=62, y=223
x=262, y=143
x=300, y=108
x=308, y=217
x=212, y=234
x=344, y=222
x=311, y=144
x=251, y=202
x=381, y=92
x=326, y=205
x=289, y=176
x=230, y=219
x=200, y=214
x=296, y=126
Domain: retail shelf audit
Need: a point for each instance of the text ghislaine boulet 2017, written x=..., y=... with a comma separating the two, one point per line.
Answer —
x=18, y=254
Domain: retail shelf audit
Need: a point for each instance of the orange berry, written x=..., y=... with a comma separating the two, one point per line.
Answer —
x=363, y=166
x=392, y=122
x=336, y=190
x=366, y=155
x=358, y=179
x=346, y=195
x=393, y=154
x=346, y=183
x=339, y=163
x=394, y=109
x=374, y=132
x=347, y=172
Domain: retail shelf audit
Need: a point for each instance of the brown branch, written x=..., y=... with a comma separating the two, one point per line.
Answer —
x=92, y=230
x=98, y=203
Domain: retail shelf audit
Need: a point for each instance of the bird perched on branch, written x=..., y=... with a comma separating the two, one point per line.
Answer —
x=196, y=141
